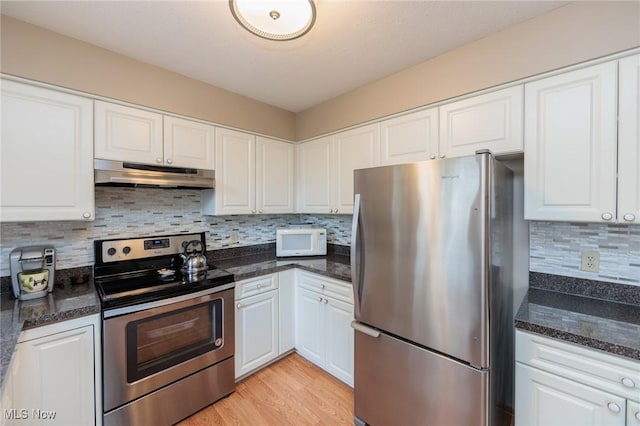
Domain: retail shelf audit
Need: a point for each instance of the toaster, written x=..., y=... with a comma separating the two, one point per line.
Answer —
x=32, y=271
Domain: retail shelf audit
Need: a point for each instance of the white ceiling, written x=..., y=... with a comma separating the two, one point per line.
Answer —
x=353, y=42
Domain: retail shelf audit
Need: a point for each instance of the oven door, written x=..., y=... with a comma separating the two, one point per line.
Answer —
x=146, y=347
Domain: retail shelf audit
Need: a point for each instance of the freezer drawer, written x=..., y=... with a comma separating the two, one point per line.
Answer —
x=397, y=383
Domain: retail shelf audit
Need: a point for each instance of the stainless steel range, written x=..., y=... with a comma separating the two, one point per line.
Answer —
x=167, y=332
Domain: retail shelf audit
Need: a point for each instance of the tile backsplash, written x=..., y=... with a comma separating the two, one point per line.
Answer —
x=556, y=248
x=133, y=212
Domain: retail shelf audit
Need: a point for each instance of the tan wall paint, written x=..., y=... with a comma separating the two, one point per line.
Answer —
x=35, y=53
x=566, y=36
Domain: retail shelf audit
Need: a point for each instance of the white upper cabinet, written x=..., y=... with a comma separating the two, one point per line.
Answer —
x=570, y=145
x=135, y=135
x=410, y=137
x=235, y=174
x=326, y=165
x=314, y=176
x=128, y=134
x=353, y=149
x=274, y=176
x=46, y=155
x=490, y=121
x=253, y=175
x=629, y=141
x=189, y=144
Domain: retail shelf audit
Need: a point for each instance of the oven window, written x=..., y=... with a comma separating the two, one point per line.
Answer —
x=296, y=242
x=161, y=341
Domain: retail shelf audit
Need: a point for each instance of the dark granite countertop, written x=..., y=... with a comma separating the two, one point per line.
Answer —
x=67, y=301
x=334, y=266
x=594, y=314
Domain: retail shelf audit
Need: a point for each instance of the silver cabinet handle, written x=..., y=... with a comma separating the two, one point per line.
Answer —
x=613, y=407
x=355, y=256
x=638, y=415
x=86, y=215
x=364, y=329
x=331, y=211
x=259, y=286
x=607, y=216
x=336, y=211
x=169, y=161
x=159, y=160
x=322, y=286
x=239, y=306
x=433, y=156
x=629, y=217
x=442, y=155
x=628, y=383
x=320, y=299
x=260, y=211
x=253, y=212
x=326, y=301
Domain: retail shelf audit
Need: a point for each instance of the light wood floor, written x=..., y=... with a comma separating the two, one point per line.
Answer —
x=290, y=392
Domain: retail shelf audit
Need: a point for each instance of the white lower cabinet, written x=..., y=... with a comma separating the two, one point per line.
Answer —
x=55, y=375
x=633, y=413
x=324, y=311
x=294, y=309
x=256, y=323
x=546, y=399
x=562, y=384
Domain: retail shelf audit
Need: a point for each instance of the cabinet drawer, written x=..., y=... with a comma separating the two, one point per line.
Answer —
x=333, y=288
x=256, y=285
x=588, y=366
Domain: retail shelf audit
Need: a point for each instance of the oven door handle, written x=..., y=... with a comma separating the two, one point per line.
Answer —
x=192, y=298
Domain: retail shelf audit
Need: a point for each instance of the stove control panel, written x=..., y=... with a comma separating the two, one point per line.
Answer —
x=142, y=248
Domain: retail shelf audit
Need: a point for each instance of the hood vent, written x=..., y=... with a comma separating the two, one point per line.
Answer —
x=118, y=173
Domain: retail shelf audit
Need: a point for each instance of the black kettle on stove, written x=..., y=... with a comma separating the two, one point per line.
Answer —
x=194, y=262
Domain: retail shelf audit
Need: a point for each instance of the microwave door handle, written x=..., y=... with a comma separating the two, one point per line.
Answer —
x=356, y=263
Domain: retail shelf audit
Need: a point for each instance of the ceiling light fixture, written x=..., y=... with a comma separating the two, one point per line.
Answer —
x=279, y=20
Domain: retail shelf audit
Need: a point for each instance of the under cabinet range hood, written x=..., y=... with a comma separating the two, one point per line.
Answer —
x=119, y=173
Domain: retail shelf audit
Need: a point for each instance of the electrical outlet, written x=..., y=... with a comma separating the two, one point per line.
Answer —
x=590, y=261
x=233, y=236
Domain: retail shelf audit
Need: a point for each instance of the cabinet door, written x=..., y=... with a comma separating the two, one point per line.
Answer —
x=128, y=134
x=633, y=413
x=408, y=138
x=490, y=121
x=235, y=191
x=543, y=399
x=570, y=146
x=314, y=176
x=286, y=311
x=339, y=340
x=310, y=326
x=56, y=374
x=274, y=176
x=189, y=144
x=628, y=141
x=354, y=149
x=46, y=155
x=256, y=331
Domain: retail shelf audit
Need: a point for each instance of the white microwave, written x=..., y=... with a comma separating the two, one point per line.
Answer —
x=301, y=242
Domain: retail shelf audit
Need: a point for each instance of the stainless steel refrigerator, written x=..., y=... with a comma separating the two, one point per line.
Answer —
x=431, y=261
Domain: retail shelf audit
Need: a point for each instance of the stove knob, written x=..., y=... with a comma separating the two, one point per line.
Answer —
x=111, y=251
x=126, y=249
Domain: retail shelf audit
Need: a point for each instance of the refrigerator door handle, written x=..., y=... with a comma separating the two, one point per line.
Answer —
x=364, y=329
x=355, y=257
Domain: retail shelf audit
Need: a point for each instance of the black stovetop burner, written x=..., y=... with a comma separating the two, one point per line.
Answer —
x=134, y=271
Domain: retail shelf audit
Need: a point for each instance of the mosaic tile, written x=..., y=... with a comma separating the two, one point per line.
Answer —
x=556, y=248
x=134, y=212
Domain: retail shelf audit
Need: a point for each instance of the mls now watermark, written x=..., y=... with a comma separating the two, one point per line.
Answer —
x=28, y=414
